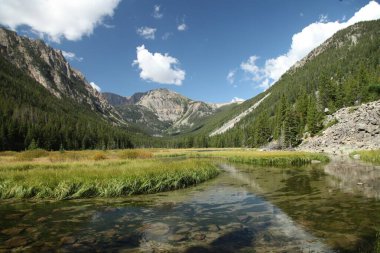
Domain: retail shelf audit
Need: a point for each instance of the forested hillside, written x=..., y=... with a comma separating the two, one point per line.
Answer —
x=343, y=71
x=30, y=116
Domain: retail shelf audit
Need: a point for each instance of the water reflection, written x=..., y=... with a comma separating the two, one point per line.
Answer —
x=246, y=209
x=354, y=177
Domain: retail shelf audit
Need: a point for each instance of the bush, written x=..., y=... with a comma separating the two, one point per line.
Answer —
x=375, y=88
x=99, y=156
x=135, y=154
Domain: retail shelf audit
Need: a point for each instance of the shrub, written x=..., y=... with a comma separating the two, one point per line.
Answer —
x=99, y=156
x=134, y=154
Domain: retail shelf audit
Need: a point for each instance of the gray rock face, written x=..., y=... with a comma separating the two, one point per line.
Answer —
x=357, y=128
x=161, y=109
x=49, y=68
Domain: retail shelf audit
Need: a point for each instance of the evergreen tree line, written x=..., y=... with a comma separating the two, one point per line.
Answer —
x=32, y=117
x=346, y=73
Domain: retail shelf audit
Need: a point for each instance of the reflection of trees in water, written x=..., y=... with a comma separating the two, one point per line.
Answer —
x=354, y=177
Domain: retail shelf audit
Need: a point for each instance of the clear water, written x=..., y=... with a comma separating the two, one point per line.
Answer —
x=331, y=208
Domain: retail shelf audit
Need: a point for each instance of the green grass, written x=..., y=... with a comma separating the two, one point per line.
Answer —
x=249, y=156
x=112, y=178
x=41, y=174
x=372, y=156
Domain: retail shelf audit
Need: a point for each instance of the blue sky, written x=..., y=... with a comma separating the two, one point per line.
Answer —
x=248, y=41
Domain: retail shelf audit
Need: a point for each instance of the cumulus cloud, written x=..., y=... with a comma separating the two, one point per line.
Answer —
x=237, y=100
x=251, y=67
x=231, y=76
x=147, y=32
x=182, y=24
x=159, y=68
x=182, y=27
x=156, y=12
x=95, y=86
x=70, y=56
x=70, y=19
x=303, y=43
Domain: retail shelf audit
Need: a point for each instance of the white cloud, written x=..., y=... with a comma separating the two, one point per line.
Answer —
x=70, y=19
x=158, y=68
x=303, y=43
x=147, y=32
x=252, y=68
x=70, y=56
x=231, y=76
x=182, y=27
x=323, y=18
x=237, y=100
x=166, y=36
x=156, y=12
x=95, y=86
x=265, y=84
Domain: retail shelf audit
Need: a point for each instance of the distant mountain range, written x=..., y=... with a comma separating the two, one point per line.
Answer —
x=162, y=111
x=44, y=100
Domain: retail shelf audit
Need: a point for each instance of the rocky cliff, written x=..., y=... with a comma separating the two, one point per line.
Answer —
x=161, y=110
x=351, y=128
x=49, y=68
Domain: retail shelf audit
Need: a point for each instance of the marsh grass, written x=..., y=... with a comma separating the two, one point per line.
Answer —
x=372, y=156
x=113, y=173
x=72, y=156
x=250, y=156
x=135, y=154
x=87, y=179
x=32, y=154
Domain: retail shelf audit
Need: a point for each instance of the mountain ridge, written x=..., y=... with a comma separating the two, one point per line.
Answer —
x=49, y=67
x=169, y=111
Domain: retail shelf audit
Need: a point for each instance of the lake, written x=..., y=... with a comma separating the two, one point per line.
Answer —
x=315, y=208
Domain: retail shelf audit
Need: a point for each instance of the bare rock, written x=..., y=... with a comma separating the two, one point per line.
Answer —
x=356, y=128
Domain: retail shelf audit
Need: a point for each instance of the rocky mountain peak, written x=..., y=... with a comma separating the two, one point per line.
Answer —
x=161, y=109
x=49, y=68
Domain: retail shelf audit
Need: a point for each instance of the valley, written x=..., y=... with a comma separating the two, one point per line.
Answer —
x=109, y=141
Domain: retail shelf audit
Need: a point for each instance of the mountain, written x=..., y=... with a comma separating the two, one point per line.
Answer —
x=162, y=111
x=343, y=71
x=47, y=103
x=48, y=67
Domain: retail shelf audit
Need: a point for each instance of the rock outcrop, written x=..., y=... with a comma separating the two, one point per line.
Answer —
x=355, y=128
x=161, y=110
x=49, y=67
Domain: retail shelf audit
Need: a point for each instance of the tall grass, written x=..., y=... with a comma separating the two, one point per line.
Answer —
x=250, y=156
x=100, y=178
x=372, y=156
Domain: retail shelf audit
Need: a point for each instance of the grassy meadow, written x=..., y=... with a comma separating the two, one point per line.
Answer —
x=248, y=156
x=372, y=156
x=84, y=174
x=42, y=174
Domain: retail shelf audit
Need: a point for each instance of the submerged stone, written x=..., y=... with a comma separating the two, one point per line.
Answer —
x=17, y=241
x=177, y=238
x=157, y=228
x=68, y=240
x=12, y=231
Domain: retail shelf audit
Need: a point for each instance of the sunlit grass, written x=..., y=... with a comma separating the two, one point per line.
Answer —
x=372, y=156
x=86, y=174
x=249, y=156
x=114, y=173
